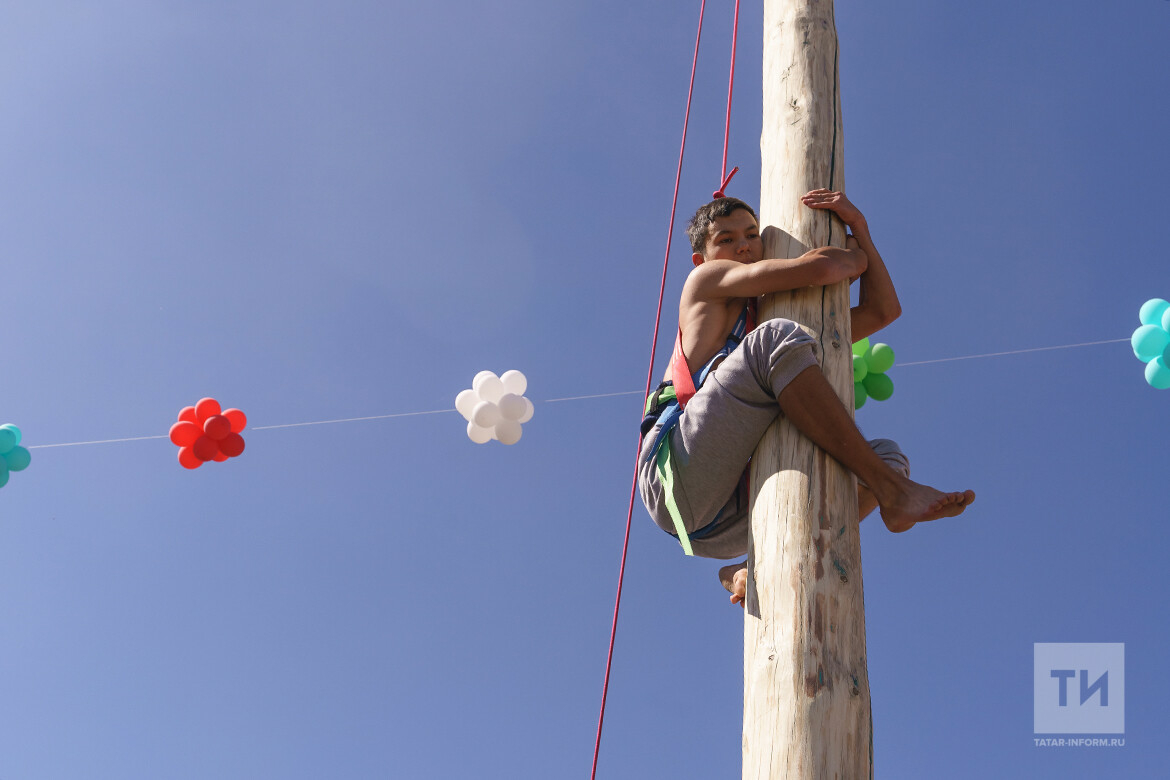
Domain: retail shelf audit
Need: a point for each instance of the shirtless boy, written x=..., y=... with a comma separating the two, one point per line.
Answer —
x=694, y=457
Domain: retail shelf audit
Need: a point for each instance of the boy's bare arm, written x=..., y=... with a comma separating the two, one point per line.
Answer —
x=877, y=304
x=721, y=279
x=877, y=300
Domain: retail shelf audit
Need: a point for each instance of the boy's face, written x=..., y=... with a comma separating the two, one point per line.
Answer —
x=734, y=237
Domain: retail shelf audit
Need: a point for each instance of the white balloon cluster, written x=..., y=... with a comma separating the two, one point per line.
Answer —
x=495, y=407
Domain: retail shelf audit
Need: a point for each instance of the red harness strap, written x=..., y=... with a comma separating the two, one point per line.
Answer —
x=680, y=373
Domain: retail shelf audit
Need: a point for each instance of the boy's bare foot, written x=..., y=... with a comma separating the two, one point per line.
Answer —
x=914, y=503
x=908, y=504
x=734, y=578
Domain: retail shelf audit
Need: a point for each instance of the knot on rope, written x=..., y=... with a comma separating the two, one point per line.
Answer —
x=720, y=193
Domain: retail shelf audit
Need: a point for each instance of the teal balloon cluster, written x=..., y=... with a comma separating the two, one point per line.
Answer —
x=1151, y=342
x=870, y=364
x=13, y=457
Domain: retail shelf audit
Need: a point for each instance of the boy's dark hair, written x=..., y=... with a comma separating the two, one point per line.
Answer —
x=700, y=225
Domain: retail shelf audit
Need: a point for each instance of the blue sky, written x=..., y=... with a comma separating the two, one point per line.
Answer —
x=315, y=212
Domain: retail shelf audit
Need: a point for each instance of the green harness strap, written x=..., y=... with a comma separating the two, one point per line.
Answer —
x=662, y=397
x=666, y=475
x=662, y=461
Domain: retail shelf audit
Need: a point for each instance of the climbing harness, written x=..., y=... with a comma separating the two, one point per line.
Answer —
x=667, y=404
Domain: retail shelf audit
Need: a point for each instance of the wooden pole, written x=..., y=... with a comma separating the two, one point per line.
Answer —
x=806, y=689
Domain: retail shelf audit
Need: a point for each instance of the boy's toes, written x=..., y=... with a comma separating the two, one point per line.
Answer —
x=954, y=503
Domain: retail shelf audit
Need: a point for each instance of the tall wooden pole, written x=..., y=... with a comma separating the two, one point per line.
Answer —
x=806, y=689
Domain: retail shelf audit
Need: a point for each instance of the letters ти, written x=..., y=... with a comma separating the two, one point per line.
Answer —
x=1102, y=684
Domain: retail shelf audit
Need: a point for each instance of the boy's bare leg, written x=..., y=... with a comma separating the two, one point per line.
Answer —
x=866, y=502
x=812, y=406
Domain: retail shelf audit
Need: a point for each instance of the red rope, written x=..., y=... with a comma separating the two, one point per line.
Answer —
x=649, y=386
x=726, y=180
x=726, y=177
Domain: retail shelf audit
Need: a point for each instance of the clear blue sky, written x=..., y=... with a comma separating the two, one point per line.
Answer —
x=315, y=211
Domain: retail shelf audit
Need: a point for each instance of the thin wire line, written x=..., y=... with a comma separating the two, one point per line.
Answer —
x=349, y=419
x=254, y=428
x=326, y=422
x=101, y=441
x=586, y=397
x=1012, y=352
x=558, y=400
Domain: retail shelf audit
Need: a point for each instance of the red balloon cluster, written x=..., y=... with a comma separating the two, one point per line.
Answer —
x=205, y=432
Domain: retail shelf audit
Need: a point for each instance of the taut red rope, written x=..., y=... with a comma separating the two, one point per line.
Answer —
x=726, y=177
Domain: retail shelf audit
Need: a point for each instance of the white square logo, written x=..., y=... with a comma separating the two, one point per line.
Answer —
x=1079, y=688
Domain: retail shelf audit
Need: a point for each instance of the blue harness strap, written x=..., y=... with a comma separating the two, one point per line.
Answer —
x=670, y=407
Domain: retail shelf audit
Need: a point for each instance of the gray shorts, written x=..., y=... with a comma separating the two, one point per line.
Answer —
x=719, y=431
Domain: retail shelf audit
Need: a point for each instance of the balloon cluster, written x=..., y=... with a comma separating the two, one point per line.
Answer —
x=870, y=364
x=1151, y=342
x=12, y=456
x=205, y=432
x=495, y=407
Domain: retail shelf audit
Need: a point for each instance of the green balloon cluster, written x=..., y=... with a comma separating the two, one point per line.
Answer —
x=12, y=456
x=870, y=364
x=1151, y=342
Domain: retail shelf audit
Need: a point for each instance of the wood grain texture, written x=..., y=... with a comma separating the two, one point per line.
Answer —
x=806, y=689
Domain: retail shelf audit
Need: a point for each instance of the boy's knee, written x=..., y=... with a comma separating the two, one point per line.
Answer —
x=778, y=333
x=889, y=451
x=776, y=352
